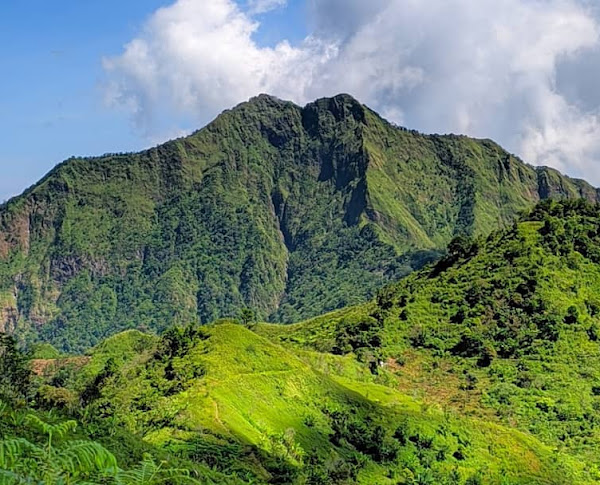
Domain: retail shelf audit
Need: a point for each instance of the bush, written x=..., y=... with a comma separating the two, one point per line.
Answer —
x=358, y=332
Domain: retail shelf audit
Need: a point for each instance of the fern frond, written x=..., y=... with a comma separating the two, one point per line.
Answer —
x=60, y=429
x=82, y=457
x=8, y=477
x=14, y=450
x=149, y=473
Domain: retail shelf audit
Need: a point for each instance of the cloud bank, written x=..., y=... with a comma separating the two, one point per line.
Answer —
x=517, y=71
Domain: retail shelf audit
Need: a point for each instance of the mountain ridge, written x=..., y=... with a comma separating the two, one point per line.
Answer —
x=480, y=368
x=289, y=210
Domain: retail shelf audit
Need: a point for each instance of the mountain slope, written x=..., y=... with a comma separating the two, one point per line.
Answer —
x=290, y=211
x=482, y=368
x=225, y=397
x=505, y=328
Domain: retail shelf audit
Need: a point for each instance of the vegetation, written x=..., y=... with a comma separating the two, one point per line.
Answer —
x=45, y=442
x=288, y=211
x=223, y=399
x=504, y=328
x=479, y=369
x=15, y=378
x=482, y=367
x=59, y=460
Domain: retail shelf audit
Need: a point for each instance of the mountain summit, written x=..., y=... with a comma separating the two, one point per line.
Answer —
x=290, y=211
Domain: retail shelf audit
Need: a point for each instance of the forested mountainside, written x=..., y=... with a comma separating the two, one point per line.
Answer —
x=481, y=368
x=290, y=211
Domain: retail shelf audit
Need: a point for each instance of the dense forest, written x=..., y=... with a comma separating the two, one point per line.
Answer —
x=481, y=368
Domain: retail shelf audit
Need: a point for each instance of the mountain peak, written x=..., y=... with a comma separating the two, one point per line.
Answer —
x=267, y=98
x=341, y=106
x=341, y=98
x=344, y=98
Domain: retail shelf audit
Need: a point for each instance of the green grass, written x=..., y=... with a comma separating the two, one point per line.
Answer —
x=480, y=369
x=506, y=330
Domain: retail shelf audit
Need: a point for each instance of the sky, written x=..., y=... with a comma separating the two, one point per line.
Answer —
x=86, y=77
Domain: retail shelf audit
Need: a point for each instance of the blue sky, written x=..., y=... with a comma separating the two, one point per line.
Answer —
x=86, y=77
x=51, y=99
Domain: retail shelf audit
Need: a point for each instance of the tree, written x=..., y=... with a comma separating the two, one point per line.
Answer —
x=247, y=316
x=462, y=247
x=177, y=341
x=15, y=374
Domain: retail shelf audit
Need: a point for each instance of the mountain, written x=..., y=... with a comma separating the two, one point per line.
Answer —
x=290, y=211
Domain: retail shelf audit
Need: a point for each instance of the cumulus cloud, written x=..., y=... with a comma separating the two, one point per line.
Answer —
x=504, y=69
x=198, y=57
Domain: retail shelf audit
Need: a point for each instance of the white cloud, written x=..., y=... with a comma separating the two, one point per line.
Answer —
x=198, y=58
x=263, y=6
x=488, y=68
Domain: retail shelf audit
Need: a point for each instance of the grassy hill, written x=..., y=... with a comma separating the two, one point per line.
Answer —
x=226, y=398
x=505, y=328
x=291, y=211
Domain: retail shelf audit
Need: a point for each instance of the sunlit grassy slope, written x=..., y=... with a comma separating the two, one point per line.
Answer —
x=482, y=368
x=504, y=328
x=271, y=414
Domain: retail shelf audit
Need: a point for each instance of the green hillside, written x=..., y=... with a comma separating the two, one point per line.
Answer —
x=290, y=211
x=505, y=328
x=224, y=399
x=482, y=368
